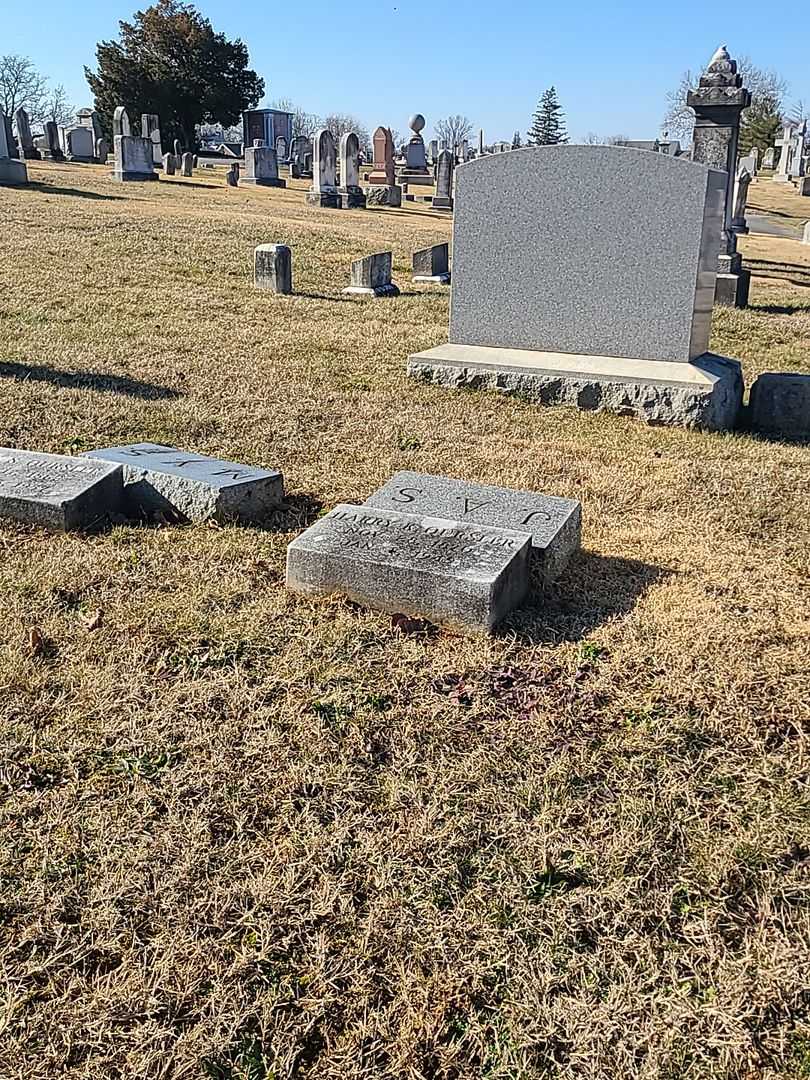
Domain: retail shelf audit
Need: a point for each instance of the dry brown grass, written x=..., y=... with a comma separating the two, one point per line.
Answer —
x=248, y=836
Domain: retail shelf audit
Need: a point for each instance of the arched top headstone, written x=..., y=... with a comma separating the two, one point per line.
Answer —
x=349, y=160
x=324, y=162
x=121, y=122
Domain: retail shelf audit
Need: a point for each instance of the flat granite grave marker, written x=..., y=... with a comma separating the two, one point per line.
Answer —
x=597, y=295
x=554, y=524
x=193, y=487
x=780, y=404
x=464, y=576
x=56, y=491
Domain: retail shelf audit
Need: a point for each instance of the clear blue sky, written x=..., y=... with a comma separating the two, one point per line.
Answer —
x=612, y=63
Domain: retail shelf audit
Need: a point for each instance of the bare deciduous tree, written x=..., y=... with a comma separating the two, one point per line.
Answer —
x=22, y=86
x=679, y=118
x=303, y=122
x=56, y=107
x=339, y=124
x=453, y=130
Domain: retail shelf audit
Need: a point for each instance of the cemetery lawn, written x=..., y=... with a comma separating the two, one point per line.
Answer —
x=247, y=835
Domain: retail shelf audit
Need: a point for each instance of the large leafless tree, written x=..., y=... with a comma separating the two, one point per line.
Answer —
x=453, y=130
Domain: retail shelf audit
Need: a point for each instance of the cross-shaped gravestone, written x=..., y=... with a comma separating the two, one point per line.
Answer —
x=784, y=144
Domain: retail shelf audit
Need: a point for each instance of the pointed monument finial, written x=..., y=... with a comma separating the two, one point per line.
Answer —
x=720, y=54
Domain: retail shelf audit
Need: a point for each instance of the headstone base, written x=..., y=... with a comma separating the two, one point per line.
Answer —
x=77, y=160
x=327, y=199
x=803, y=185
x=353, y=198
x=378, y=292
x=433, y=279
x=707, y=393
x=425, y=178
x=13, y=173
x=51, y=155
x=442, y=204
x=731, y=290
x=261, y=181
x=384, y=195
x=125, y=176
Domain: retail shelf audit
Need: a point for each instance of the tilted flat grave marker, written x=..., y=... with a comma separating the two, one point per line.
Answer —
x=589, y=280
x=193, y=487
x=554, y=524
x=432, y=264
x=371, y=276
x=57, y=491
x=464, y=576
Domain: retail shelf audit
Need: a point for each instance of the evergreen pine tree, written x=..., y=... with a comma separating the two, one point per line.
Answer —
x=760, y=124
x=516, y=141
x=548, y=124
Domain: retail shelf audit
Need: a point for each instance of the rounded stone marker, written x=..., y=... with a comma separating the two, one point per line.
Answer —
x=416, y=122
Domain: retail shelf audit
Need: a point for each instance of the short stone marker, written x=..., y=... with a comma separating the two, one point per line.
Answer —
x=150, y=129
x=187, y=165
x=232, y=175
x=56, y=491
x=780, y=404
x=383, y=189
x=272, y=268
x=554, y=524
x=371, y=276
x=168, y=164
x=464, y=576
x=261, y=167
x=432, y=264
x=134, y=157
x=192, y=487
x=593, y=295
x=13, y=173
x=324, y=172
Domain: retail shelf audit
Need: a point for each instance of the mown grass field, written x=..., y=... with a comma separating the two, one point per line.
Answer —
x=247, y=835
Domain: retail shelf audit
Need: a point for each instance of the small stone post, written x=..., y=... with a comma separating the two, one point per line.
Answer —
x=272, y=268
x=168, y=164
x=187, y=165
x=738, y=222
x=718, y=102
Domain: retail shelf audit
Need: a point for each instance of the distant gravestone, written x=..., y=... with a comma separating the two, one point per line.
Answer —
x=134, y=160
x=187, y=165
x=261, y=167
x=350, y=193
x=785, y=143
x=324, y=172
x=51, y=149
x=150, y=129
x=121, y=122
x=383, y=189
x=28, y=151
x=57, y=492
x=13, y=173
x=443, y=199
x=300, y=157
x=192, y=487
x=597, y=295
x=744, y=178
x=768, y=158
x=371, y=276
x=458, y=575
x=232, y=175
x=178, y=155
x=281, y=149
x=272, y=268
x=432, y=264
x=554, y=524
x=102, y=149
x=780, y=404
x=78, y=144
x=168, y=164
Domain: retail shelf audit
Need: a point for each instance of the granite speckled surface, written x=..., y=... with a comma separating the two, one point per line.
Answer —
x=57, y=491
x=586, y=249
x=554, y=524
x=454, y=574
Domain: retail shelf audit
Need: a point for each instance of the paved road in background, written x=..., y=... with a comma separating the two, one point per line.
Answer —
x=766, y=226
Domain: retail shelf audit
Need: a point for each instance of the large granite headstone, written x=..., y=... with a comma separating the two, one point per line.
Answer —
x=554, y=524
x=455, y=574
x=261, y=167
x=592, y=294
x=192, y=487
x=134, y=159
x=56, y=491
x=78, y=144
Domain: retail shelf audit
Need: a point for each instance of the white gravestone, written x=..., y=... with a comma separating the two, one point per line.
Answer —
x=324, y=172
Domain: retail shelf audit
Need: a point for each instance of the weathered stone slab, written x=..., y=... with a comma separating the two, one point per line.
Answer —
x=134, y=160
x=371, y=276
x=56, y=491
x=706, y=394
x=453, y=574
x=586, y=249
x=432, y=264
x=272, y=268
x=192, y=487
x=384, y=195
x=780, y=404
x=555, y=524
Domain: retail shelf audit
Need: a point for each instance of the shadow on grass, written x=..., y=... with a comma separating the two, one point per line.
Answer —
x=769, y=269
x=52, y=189
x=85, y=380
x=593, y=589
x=779, y=309
x=295, y=514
